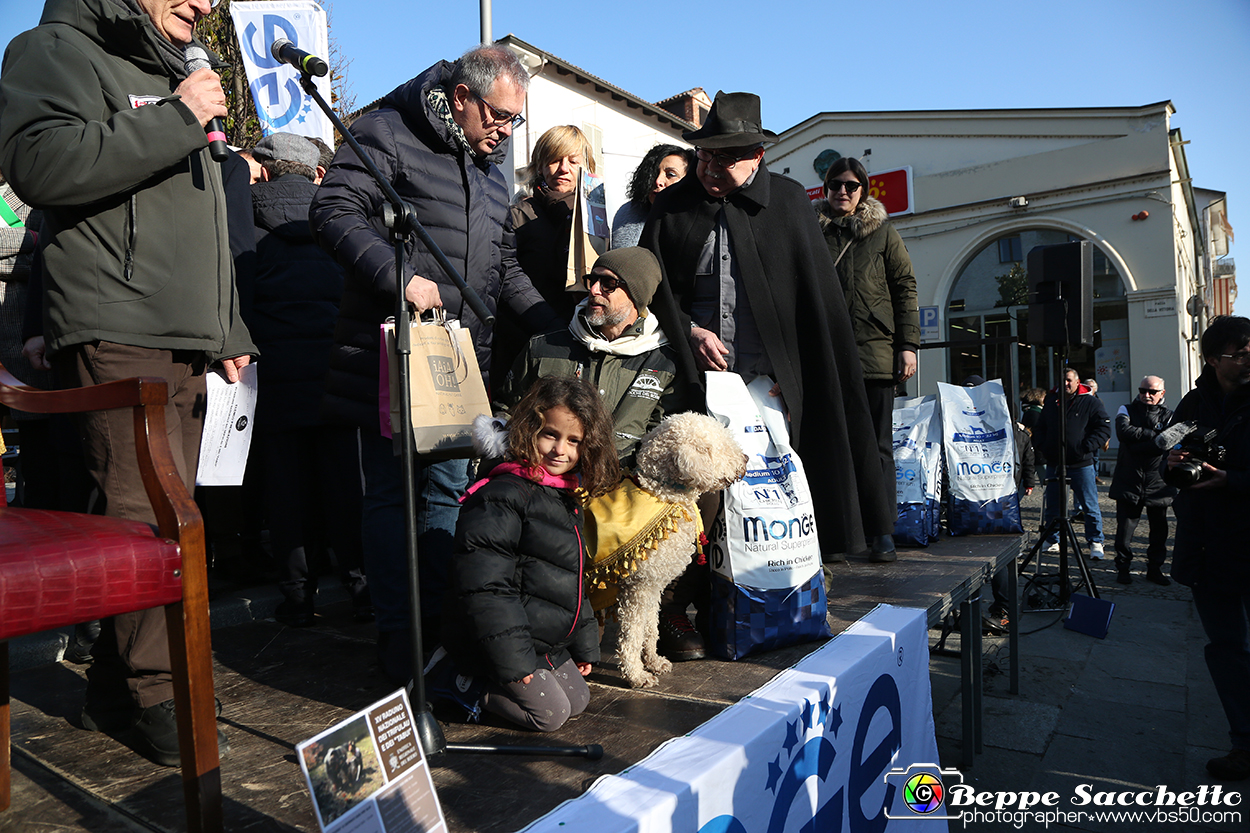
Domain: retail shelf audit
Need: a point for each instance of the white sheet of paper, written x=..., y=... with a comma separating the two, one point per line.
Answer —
x=227, y=429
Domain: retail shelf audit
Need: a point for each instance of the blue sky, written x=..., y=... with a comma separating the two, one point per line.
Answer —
x=807, y=57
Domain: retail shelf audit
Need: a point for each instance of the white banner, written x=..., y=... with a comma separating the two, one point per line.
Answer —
x=829, y=745
x=281, y=104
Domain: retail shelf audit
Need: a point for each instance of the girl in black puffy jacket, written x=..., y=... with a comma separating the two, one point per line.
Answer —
x=518, y=617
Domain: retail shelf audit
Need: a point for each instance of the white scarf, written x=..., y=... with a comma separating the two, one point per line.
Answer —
x=634, y=344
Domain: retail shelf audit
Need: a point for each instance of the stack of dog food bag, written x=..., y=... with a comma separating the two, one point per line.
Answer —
x=917, y=471
x=979, y=442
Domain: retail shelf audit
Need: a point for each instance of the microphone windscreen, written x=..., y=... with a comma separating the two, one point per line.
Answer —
x=196, y=58
x=275, y=48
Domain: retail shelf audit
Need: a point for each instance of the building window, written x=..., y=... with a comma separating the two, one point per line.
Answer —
x=1009, y=250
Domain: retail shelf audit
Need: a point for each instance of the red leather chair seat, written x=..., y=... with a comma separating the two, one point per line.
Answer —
x=59, y=568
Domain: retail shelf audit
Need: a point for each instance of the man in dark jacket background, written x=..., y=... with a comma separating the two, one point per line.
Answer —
x=101, y=127
x=439, y=139
x=1138, y=481
x=1087, y=428
x=749, y=287
x=311, y=470
x=1211, y=554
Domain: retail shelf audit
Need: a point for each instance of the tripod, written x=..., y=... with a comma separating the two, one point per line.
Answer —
x=1060, y=526
x=399, y=220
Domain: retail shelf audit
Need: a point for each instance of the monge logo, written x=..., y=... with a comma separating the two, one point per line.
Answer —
x=778, y=529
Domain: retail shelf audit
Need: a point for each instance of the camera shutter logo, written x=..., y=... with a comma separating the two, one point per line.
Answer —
x=443, y=373
x=922, y=793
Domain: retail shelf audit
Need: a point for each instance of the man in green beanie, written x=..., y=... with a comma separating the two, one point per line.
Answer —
x=614, y=342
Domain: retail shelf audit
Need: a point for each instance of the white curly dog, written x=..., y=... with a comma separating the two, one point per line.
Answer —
x=679, y=460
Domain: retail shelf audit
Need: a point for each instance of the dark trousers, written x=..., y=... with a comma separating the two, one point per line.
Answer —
x=132, y=654
x=1127, y=514
x=1224, y=618
x=313, y=494
x=881, y=408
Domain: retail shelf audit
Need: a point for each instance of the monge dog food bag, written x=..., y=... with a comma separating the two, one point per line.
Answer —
x=917, y=470
x=768, y=588
x=927, y=407
x=980, y=459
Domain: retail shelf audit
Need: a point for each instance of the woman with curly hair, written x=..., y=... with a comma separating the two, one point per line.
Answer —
x=518, y=617
x=664, y=165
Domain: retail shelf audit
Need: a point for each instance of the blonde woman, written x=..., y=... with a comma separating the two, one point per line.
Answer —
x=542, y=221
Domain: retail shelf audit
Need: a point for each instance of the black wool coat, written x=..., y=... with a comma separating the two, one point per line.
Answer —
x=797, y=302
x=1139, y=462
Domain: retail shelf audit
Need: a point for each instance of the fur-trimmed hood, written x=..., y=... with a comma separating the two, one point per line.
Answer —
x=868, y=216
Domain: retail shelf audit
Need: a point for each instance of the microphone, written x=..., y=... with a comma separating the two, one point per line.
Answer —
x=286, y=52
x=197, y=59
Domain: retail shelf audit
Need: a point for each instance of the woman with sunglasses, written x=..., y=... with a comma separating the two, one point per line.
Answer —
x=880, y=291
x=542, y=216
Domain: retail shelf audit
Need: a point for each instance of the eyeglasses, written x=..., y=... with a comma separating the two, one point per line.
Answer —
x=500, y=117
x=724, y=160
x=607, y=283
x=1240, y=357
x=851, y=186
x=1144, y=391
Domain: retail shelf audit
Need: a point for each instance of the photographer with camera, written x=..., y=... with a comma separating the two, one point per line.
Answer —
x=1211, y=555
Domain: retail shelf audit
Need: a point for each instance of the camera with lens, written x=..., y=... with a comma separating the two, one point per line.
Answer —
x=1199, y=442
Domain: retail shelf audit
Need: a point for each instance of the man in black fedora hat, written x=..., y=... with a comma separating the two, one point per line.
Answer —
x=749, y=286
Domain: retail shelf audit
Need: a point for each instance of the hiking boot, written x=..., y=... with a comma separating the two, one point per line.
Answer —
x=1156, y=575
x=78, y=650
x=157, y=729
x=679, y=640
x=1235, y=766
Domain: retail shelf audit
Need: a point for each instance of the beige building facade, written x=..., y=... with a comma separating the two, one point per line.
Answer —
x=986, y=186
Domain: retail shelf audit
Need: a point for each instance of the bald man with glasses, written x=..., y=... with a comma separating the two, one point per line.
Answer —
x=1138, y=482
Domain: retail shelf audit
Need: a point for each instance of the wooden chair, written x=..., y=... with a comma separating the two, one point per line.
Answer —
x=61, y=568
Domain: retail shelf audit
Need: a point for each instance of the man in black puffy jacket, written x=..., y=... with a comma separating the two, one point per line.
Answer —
x=1138, y=481
x=438, y=138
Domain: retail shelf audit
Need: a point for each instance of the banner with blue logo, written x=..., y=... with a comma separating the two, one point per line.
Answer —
x=980, y=459
x=768, y=588
x=281, y=104
x=825, y=747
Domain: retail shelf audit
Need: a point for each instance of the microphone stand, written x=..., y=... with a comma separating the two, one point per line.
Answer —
x=1061, y=524
x=398, y=217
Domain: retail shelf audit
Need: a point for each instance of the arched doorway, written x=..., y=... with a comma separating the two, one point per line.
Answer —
x=988, y=300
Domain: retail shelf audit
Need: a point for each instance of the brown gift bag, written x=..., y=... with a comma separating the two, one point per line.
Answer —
x=447, y=389
x=584, y=247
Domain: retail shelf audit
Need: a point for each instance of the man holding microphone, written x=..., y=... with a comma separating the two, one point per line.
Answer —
x=103, y=128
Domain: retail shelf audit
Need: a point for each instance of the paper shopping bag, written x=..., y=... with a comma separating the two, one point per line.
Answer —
x=588, y=231
x=447, y=389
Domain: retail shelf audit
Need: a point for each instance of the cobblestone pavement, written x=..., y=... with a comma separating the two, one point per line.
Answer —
x=1127, y=713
